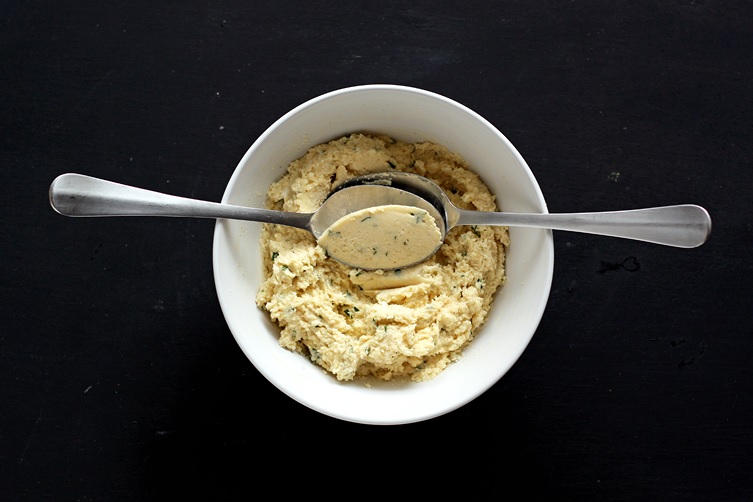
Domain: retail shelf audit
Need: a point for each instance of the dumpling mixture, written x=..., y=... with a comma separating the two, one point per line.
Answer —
x=408, y=323
x=387, y=237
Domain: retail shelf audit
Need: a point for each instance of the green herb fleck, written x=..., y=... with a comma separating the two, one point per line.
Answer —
x=275, y=255
x=391, y=164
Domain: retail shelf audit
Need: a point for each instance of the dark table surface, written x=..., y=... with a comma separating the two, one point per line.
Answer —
x=119, y=379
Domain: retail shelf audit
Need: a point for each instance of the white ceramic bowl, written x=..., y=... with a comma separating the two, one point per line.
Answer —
x=407, y=114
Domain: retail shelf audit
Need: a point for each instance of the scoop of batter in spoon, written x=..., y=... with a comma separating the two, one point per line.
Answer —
x=383, y=237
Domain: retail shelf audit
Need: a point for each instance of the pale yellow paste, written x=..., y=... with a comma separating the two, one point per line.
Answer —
x=407, y=323
x=382, y=237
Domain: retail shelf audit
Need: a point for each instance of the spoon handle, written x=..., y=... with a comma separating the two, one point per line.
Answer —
x=684, y=226
x=79, y=195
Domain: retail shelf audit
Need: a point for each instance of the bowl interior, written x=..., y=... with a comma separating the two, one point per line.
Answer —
x=406, y=114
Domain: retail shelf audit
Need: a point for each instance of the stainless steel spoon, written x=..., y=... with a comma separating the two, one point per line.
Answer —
x=78, y=195
x=684, y=226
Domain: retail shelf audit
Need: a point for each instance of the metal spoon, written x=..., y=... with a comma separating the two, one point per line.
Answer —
x=684, y=226
x=78, y=195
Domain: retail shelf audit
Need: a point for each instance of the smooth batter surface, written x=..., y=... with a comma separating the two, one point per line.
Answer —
x=408, y=323
x=382, y=237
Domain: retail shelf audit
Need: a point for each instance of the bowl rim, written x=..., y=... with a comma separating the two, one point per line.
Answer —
x=546, y=243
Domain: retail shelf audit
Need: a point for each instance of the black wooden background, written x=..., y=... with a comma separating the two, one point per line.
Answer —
x=119, y=379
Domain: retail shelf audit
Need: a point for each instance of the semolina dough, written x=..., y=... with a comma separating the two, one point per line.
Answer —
x=382, y=237
x=409, y=323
